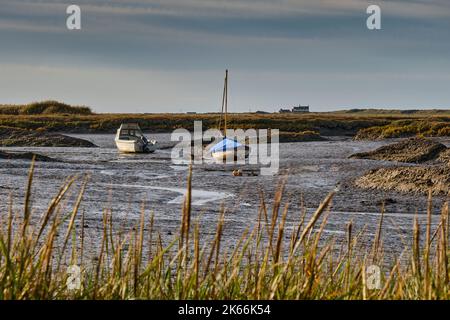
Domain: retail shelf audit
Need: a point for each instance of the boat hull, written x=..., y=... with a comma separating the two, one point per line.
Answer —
x=132, y=146
x=239, y=153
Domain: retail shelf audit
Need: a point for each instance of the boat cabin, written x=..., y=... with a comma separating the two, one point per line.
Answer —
x=129, y=131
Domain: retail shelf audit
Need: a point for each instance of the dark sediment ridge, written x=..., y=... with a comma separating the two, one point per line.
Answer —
x=17, y=137
x=305, y=136
x=25, y=156
x=415, y=150
x=444, y=156
x=419, y=179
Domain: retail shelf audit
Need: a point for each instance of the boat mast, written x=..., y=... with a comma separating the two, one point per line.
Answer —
x=226, y=103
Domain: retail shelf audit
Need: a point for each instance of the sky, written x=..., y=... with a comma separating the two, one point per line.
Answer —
x=171, y=55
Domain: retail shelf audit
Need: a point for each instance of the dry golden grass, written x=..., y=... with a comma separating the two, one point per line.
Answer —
x=369, y=124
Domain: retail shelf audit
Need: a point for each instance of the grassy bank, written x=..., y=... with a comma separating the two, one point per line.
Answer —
x=363, y=123
x=261, y=265
x=44, y=108
x=108, y=123
x=432, y=127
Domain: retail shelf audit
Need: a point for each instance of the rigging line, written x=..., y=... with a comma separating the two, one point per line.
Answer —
x=226, y=103
x=223, y=104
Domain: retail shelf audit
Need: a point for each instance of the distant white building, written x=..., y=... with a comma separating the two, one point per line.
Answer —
x=300, y=109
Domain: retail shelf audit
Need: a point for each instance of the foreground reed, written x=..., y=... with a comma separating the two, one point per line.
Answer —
x=35, y=258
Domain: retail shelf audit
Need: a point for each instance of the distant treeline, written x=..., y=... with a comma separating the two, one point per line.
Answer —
x=44, y=107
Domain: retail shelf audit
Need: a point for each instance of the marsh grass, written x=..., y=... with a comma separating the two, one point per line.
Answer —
x=366, y=124
x=432, y=127
x=261, y=265
x=44, y=107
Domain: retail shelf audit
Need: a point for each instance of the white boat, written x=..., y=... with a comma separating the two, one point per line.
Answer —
x=130, y=139
x=228, y=149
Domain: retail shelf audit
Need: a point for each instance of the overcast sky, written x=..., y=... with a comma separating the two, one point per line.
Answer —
x=170, y=55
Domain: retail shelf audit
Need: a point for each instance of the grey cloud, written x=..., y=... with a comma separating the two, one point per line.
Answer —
x=306, y=48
